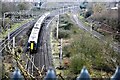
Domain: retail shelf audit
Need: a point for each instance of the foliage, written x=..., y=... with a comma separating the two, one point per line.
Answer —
x=88, y=13
x=11, y=7
x=88, y=51
x=8, y=7
x=23, y=6
x=98, y=7
x=63, y=34
x=117, y=37
x=107, y=16
x=77, y=64
x=66, y=26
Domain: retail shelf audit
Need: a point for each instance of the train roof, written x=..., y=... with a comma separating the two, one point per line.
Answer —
x=34, y=35
x=36, y=28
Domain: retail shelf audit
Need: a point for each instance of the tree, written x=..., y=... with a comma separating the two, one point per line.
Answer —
x=63, y=34
x=23, y=6
x=83, y=5
x=8, y=7
x=98, y=8
x=88, y=13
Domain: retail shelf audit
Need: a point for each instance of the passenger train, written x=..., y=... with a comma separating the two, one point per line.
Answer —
x=33, y=38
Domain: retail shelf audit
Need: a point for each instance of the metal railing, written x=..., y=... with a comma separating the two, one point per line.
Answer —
x=84, y=75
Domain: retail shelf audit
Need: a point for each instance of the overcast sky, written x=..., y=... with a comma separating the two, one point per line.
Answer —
x=60, y=0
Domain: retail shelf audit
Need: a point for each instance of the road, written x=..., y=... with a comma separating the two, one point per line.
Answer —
x=101, y=37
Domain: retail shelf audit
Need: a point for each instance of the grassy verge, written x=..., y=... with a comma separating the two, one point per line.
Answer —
x=13, y=27
x=85, y=50
x=84, y=21
x=108, y=36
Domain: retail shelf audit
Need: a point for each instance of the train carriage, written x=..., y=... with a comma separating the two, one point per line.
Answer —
x=33, y=39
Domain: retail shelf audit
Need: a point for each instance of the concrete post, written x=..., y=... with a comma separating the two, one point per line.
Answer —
x=13, y=42
x=91, y=26
x=57, y=27
x=8, y=36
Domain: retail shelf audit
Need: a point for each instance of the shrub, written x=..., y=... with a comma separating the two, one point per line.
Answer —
x=63, y=34
x=77, y=64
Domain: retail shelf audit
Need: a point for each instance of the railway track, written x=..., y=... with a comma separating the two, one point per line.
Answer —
x=42, y=59
x=15, y=33
x=37, y=64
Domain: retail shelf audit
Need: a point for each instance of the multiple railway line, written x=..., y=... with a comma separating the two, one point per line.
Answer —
x=38, y=55
x=38, y=63
x=41, y=59
x=15, y=33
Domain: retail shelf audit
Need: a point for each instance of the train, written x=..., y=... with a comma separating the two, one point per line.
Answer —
x=34, y=36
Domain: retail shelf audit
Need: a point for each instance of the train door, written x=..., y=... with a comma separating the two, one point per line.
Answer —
x=32, y=46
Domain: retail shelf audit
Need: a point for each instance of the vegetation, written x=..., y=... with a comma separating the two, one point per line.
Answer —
x=64, y=27
x=24, y=6
x=12, y=28
x=85, y=50
x=11, y=7
x=88, y=13
x=108, y=17
x=63, y=34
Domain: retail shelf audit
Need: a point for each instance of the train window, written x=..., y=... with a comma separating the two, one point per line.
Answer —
x=33, y=37
x=36, y=27
x=34, y=33
x=37, y=24
x=48, y=17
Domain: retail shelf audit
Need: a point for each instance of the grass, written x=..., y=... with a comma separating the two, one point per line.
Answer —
x=83, y=20
x=87, y=50
x=80, y=52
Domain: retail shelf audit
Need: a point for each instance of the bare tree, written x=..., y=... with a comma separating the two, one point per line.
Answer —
x=24, y=6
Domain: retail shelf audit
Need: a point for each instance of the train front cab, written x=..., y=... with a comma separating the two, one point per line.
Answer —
x=33, y=47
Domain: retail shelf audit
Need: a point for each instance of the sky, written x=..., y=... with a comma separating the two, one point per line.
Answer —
x=60, y=0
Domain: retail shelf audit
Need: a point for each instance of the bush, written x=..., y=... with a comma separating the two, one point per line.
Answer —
x=88, y=13
x=63, y=34
x=77, y=64
x=89, y=52
x=66, y=26
x=117, y=37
